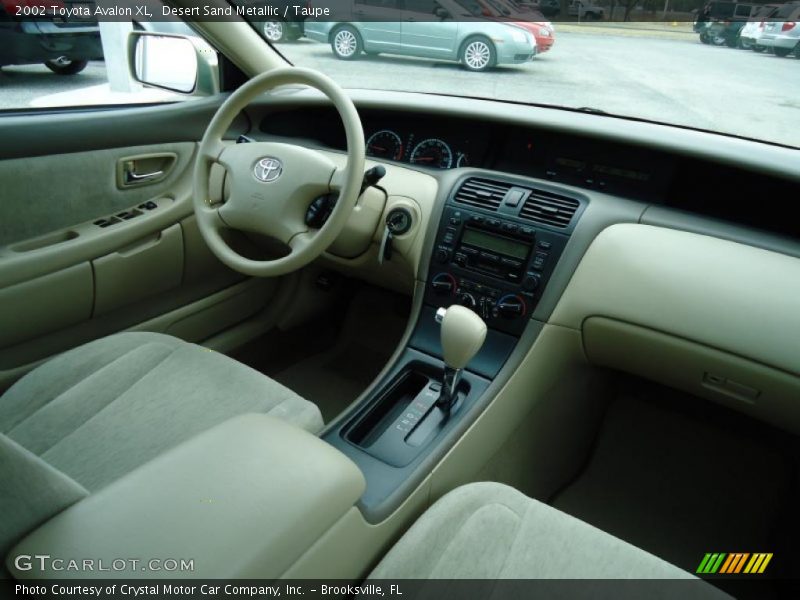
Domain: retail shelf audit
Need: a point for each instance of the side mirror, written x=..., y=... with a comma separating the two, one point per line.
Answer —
x=178, y=63
x=441, y=13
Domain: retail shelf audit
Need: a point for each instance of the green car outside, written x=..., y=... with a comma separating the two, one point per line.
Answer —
x=719, y=33
x=477, y=44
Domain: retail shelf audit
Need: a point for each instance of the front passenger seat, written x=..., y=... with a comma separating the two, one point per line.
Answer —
x=89, y=416
x=490, y=531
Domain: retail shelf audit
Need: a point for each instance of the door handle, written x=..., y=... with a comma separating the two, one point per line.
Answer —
x=132, y=177
x=144, y=169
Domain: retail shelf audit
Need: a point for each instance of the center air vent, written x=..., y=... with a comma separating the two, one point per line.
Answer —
x=482, y=193
x=549, y=208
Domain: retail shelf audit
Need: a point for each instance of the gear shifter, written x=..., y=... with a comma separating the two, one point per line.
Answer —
x=463, y=333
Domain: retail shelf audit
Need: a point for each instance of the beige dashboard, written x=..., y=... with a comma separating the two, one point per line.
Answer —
x=710, y=316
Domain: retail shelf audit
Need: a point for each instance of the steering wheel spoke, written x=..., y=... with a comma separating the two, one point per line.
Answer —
x=300, y=241
x=286, y=229
x=209, y=217
x=338, y=179
x=213, y=151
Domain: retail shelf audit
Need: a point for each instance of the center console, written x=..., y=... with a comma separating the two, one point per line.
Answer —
x=493, y=252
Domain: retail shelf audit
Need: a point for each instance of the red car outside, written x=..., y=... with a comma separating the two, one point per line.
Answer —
x=544, y=33
x=526, y=18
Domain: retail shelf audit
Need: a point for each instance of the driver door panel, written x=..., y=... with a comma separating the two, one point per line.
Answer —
x=83, y=255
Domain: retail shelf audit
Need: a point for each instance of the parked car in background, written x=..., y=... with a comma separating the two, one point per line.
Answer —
x=720, y=22
x=474, y=42
x=586, y=10
x=32, y=33
x=722, y=33
x=529, y=19
x=549, y=8
x=280, y=29
x=528, y=4
x=720, y=10
x=545, y=34
x=782, y=34
x=752, y=30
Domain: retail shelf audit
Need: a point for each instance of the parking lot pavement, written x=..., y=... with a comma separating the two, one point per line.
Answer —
x=681, y=82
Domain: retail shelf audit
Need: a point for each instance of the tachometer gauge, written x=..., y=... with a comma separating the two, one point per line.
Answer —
x=385, y=144
x=432, y=153
x=462, y=160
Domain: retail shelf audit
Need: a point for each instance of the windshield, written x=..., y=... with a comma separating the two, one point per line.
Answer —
x=670, y=62
x=726, y=67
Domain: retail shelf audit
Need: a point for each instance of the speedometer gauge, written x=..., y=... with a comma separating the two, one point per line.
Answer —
x=385, y=144
x=432, y=152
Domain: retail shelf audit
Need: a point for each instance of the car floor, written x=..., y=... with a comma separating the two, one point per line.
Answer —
x=332, y=359
x=679, y=477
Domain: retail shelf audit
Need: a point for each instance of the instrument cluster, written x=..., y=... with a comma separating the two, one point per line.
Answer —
x=426, y=150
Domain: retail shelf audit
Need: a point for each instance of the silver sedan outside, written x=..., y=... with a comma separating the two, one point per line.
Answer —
x=783, y=35
x=477, y=44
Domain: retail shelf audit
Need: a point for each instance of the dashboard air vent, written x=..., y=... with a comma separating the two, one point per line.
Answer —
x=482, y=193
x=549, y=208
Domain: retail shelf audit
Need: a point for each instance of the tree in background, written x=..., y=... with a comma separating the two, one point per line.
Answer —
x=628, y=5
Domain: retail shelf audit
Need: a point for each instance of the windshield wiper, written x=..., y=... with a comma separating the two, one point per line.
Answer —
x=591, y=110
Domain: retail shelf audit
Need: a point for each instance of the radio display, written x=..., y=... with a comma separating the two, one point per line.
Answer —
x=494, y=243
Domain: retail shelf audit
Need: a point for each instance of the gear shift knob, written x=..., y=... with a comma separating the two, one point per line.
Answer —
x=463, y=333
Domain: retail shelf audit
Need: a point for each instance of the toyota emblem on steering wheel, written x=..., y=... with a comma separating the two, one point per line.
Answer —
x=268, y=169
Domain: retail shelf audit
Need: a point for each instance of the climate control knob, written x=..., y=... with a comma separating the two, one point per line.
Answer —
x=531, y=281
x=443, y=284
x=468, y=300
x=511, y=306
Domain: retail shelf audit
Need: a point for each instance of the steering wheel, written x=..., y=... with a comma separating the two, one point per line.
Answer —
x=272, y=184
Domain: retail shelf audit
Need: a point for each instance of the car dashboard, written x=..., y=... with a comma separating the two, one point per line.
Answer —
x=676, y=179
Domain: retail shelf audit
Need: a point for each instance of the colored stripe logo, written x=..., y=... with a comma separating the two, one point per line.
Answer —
x=734, y=563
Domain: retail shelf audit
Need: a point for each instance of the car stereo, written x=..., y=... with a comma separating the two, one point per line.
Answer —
x=492, y=253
